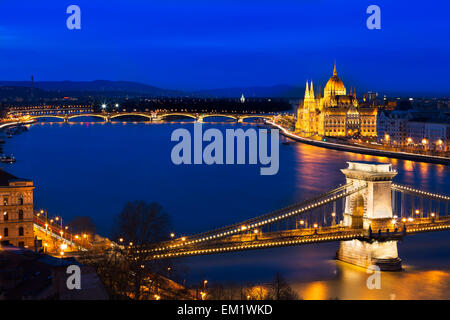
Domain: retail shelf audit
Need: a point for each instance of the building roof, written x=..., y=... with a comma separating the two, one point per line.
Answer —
x=5, y=178
x=25, y=274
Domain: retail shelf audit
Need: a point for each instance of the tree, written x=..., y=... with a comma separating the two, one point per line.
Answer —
x=142, y=223
x=280, y=290
x=83, y=224
x=139, y=226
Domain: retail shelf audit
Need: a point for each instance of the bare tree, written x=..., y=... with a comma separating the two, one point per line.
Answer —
x=125, y=267
x=138, y=227
x=279, y=289
x=83, y=224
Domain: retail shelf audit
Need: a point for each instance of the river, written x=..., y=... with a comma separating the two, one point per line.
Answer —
x=93, y=168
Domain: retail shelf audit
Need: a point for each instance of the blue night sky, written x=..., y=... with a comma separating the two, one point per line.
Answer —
x=213, y=44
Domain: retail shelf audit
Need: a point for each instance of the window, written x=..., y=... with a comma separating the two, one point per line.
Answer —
x=5, y=201
x=5, y=216
x=20, y=214
x=21, y=244
x=20, y=231
x=20, y=200
x=5, y=232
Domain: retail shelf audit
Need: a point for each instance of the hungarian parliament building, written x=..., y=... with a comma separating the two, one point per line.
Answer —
x=335, y=113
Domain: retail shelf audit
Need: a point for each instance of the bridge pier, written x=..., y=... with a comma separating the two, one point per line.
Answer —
x=371, y=211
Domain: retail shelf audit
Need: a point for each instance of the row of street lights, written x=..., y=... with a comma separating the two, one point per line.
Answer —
x=64, y=229
x=104, y=106
x=410, y=141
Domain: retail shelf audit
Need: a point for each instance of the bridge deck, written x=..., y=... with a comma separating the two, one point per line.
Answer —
x=302, y=236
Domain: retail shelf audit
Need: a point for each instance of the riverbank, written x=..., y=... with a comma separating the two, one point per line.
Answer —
x=363, y=150
x=15, y=123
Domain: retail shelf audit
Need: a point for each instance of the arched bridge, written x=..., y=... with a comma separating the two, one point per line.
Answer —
x=68, y=115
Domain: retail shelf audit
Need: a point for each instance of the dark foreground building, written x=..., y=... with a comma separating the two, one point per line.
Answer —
x=26, y=275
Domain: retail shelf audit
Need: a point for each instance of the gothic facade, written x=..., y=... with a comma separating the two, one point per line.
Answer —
x=335, y=113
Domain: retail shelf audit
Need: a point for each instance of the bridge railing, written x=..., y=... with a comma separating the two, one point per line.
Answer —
x=270, y=218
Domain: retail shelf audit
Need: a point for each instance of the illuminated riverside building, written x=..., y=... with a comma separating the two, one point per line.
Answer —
x=429, y=131
x=335, y=113
x=16, y=215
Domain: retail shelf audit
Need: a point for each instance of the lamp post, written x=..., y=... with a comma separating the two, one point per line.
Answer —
x=386, y=138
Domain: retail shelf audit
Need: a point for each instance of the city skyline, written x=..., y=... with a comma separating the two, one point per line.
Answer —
x=200, y=46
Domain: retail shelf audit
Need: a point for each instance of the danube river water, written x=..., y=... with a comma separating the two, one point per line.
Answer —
x=92, y=168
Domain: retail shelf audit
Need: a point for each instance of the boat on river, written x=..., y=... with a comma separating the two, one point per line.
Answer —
x=7, y=159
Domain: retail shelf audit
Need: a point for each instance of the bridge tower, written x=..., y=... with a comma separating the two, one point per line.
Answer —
x=371, y=211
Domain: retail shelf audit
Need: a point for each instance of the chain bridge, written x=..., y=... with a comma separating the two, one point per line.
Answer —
x=368, y=216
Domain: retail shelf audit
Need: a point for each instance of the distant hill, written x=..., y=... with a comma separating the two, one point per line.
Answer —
x=106, y=88
x=136, y=88
x=279, y=91
x=98, y=86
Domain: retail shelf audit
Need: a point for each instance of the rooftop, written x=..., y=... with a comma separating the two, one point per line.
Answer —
x=6, y=178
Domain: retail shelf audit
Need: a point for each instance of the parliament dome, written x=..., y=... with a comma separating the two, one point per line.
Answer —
x=335, y=86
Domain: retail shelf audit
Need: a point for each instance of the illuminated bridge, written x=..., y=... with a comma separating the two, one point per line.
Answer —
x=68, y=114
x=368, y=215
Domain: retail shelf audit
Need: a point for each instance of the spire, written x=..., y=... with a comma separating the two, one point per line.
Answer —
x=307, y=90
x=311, y=91
x=334, y=71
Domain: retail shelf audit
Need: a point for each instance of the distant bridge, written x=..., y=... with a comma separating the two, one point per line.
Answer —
x=69, y=114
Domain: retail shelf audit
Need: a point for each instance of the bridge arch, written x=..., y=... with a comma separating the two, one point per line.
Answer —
x=229, y=116
x=87, y=115
x=48, y=116
x=188, y=115
x=241, y=118
x=142, y=115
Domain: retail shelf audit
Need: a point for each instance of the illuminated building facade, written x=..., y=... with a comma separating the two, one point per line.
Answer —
x=335, y=113
x=16, y=216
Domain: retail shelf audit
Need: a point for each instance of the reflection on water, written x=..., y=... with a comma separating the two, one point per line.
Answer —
x=350, y=283
x=95, y=168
